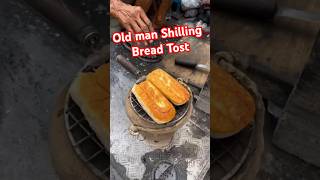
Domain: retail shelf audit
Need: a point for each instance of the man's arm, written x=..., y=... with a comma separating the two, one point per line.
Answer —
x=133, y=18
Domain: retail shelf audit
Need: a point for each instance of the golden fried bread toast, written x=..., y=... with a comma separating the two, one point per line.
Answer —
x=154, y=102
x=232, y=106
x=169, y=86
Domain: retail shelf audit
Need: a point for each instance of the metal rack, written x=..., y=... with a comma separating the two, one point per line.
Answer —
x=180, y=111
x=84, y=141
x=229, y=154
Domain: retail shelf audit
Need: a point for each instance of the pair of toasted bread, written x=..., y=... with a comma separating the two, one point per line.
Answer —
x=157, y=93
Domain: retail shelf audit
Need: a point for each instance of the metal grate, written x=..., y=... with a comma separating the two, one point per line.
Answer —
x=84, y=140
x=181, y=111
x=229, y=154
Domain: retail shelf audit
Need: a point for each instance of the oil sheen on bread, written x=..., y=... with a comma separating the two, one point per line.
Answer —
x=154, y=102
x=169, y=86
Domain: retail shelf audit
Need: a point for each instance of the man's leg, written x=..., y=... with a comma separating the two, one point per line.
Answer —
x=159, y=19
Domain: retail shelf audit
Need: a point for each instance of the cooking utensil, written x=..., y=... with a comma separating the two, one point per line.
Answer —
x=181, y=111
x=200, y=53
x=203, y=100
x=124, y=62
x=128, y=165
x=265, y=9
x=191, y=64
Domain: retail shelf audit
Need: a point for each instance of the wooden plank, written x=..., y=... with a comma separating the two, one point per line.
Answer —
x=200, y=53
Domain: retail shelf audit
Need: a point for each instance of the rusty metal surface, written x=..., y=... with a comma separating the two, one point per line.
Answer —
x=133, y=159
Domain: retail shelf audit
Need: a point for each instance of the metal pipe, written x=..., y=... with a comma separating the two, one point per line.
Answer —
x=68, y=19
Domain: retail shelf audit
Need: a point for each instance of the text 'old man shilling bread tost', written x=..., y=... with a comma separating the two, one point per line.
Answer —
x=233, y=107
x=154, y=102
x=169, y=86
x=90, y=91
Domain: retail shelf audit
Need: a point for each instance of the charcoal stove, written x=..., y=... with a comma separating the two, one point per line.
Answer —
x=158, y=135
x=184, y=156
x=234, y=155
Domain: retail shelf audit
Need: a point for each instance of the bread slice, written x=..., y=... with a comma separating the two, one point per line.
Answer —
x=169, y=86
x=232, y=106
x=154, y=102
x=90, y=91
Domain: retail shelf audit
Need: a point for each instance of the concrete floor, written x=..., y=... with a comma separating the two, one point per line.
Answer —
x=36, y=61
x=280, y=165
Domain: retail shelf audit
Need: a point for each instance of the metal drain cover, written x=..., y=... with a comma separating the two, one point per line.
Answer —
x=165, y=171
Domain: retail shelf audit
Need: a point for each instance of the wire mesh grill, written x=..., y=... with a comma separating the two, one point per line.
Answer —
x=181, y=111
x=229, y=154
x=85, y=142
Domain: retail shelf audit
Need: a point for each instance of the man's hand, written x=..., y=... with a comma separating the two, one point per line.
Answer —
x=133, y=18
